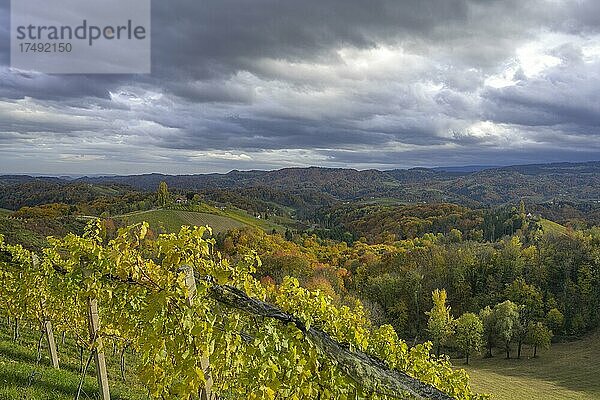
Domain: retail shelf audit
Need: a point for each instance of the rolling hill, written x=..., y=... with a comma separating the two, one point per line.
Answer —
x=173, y=220
x=561, y=192
x=492, y=186
x=220, y=220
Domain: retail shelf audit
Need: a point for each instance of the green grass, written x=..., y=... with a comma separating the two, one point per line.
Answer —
x=553, y=227
x=247, y=219
x=173, y=220
x=566, y=371
x=220, y=219
x=22, y=378
x=4, y=212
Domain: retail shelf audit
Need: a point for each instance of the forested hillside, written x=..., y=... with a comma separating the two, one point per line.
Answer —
x=494, y=186
x=455, y=267
x=491, y=186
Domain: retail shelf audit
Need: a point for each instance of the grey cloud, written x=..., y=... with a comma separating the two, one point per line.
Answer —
x=463, y=156
x=567, y=94
x=17, y=85
x=268, y=80
x=213, y=91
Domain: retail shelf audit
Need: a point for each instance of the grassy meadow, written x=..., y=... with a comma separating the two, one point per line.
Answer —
x=173, y=220
x=566, y=371
x=220, y=220
x=553, y=227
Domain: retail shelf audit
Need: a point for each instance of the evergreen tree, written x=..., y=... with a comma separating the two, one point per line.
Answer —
x=163, y=194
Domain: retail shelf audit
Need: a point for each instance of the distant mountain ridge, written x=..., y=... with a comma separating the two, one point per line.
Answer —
x=470, y=185
x=466, y=168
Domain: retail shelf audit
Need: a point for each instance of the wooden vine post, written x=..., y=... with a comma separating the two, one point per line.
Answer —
x=190, y=281
x=94, y=327
x=47, y=325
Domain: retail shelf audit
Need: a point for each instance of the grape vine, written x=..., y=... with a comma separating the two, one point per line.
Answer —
x=261, y=341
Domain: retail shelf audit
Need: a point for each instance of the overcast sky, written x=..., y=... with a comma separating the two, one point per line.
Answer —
x=263, y=84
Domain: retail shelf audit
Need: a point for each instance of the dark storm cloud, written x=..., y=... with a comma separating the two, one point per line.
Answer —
x=16, y=85
x=254, y=134
x=226, y=32
x=265, y=83
x=214, y=39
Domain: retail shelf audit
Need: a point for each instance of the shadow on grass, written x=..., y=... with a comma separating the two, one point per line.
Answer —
x=19, y=359
x=54, y=381
x=17, y=353
x=38, y=379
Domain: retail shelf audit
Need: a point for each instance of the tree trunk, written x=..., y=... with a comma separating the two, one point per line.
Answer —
x=123, y=362
x=467, y=362
x=534, y=350
x=489, y=352
x=507, y=350
x=80, y=359
x=519, y=349
x=39, y=347
x=16, y=330
x=437, y=350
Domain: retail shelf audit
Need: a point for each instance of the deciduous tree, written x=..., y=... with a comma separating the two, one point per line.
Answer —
x=506, y=321
x=555, y=320
x=469, y=334
x=487, y=319
x=538, y=335
x=440, y=323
